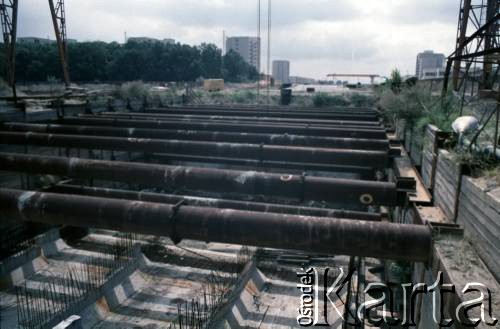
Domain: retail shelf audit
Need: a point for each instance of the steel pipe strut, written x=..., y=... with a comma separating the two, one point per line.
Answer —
x=310, y=234
x=213, y=119
x=291, y=125
x=251, y=108
x=250, y=164
x=215, y=203
x=348, y=191
x=376, y=159
x=353, y=116
x=243, y=118
x=215, y=136
x=274, y=129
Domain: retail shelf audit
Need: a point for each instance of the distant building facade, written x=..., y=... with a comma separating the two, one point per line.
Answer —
x=281, y=71
x=430, y=65
x=40, y=41
x=301, y=80
x=34, y=40
x=247, y=47
x=151, y=40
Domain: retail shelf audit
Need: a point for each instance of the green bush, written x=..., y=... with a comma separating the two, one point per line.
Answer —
x=133, y=89
x=324, y=99
x=243, y=97
x=361, y=100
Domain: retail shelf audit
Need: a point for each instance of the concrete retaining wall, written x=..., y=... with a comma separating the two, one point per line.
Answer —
x=479, y=213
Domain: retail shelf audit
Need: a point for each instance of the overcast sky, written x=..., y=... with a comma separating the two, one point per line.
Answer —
x=317, y=36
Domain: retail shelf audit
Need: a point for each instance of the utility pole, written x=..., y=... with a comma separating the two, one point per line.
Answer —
x=269, y=79
x=259, y=44
x=223, y=54
x=8, y=15
x=59, y=21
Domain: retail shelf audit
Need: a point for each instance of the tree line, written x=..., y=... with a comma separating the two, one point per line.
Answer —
x=147, y=61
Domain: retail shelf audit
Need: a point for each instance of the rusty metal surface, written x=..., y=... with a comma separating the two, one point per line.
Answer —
x=242, y=118
x=305, y=129
x=321, y=235
x=352, y=192
x=262, y=152
x=291, y=167
x=216, y=136
x=289, y=125
x=330, y=115
x=215, y=203
x=250, y=108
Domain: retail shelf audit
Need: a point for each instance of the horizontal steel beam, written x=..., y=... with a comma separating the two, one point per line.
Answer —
x=214, y=203
x=272, y=114
x=255, y=119
x=215, y=136
x=348, y=191
x=310, y=234
x=341, y=157
x=274, y=129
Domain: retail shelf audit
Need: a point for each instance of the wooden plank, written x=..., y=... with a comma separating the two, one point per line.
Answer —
x=479, y=213
x=447, y=184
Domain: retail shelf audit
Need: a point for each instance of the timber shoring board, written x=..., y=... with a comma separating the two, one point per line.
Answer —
x=479, y=213
x=447, y=184
x=429, y=156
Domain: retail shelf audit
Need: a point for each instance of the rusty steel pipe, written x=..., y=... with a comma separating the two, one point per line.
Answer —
x=124, y=116
x=310, y=234
x=345, y=157
x=355, y=192
x=249, y=164
x=256, y=120
x=214, y=203
x=352, y=116
x=275, y=129
x=215, y=136
x=251, y=108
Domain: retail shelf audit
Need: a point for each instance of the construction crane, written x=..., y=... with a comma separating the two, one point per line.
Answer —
x=8, y=16
x=477, y=46
x=372, y=77
x=59, y=21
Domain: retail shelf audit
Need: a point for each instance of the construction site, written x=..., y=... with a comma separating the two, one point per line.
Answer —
x=222, y=204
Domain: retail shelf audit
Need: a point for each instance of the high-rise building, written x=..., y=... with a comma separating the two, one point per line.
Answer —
x=247, y=47
x=151, y=40
x=430, y=65
x=281, y=71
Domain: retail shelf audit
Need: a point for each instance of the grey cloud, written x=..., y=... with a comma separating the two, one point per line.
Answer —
x=198, y=21
x=426, y=11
